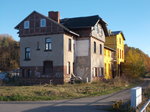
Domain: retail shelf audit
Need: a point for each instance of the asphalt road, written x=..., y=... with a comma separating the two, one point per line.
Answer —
x=90, y=104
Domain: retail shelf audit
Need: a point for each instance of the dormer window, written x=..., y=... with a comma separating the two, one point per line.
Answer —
x=43, y=23
x=26, y=24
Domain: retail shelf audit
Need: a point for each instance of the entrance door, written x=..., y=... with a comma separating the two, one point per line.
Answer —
x=48, y=67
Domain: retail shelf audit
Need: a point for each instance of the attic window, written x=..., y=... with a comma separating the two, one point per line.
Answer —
x=26, y=24
x=43, y=23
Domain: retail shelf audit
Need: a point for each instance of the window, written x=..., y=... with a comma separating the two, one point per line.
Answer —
x=27, y=53
x=69, y=45
x=94, y=47
x=43, y=23
x=122, y=54
x=48, y=44
x=120, y=40
x=100, y=48
x=26, y=25
x=94, y=69
x=38, y=46
x=105, y=69
x=118, y=52
x=96, y=72
x=68, y=68
x=102, y=71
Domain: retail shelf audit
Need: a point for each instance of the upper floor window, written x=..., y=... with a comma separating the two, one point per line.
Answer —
x=94, y=47
x=69, y=45
x=104, y=52
x=43, y=23
x=118, y=52
x=38, y=46
x=100, y=48
x=120, y=40
x=122, y=54
x=26, y=24
x=68, y=68
x=27, y=53
x=48, y=44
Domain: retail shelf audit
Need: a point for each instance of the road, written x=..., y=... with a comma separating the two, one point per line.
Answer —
x=92, y=104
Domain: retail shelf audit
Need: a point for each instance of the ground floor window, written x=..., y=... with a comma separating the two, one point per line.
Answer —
x=23, y=73
x=68, y=68
x=28, y=73
x=102, y=71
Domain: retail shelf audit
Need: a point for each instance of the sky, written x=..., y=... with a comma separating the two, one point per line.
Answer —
x=130, y=16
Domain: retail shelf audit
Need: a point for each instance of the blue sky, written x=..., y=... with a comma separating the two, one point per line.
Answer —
x=130, y=16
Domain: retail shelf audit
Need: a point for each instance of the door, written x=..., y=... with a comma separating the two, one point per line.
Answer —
x=48, y=67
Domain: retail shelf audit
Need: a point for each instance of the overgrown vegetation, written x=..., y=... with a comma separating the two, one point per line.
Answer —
x=118, y=106
x=137, y=63
x=9, y=53
x=50, y=92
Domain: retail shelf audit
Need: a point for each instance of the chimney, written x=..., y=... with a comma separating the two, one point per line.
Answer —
x=55, y=15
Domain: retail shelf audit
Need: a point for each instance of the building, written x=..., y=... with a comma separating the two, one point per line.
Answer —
x=53, y=49
x=109, y=60
x=116, y=42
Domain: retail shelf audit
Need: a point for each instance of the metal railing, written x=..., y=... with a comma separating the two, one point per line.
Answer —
x=145, y=106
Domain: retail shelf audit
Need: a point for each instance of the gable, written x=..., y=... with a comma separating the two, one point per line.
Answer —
x=115, y=33
x=52, y=27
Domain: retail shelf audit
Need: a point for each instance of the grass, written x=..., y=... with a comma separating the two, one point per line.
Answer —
x=66, y=91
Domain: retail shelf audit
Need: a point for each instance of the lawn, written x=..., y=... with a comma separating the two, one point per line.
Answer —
x=66, y=91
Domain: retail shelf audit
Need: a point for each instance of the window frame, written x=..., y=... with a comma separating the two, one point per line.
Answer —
x=94, y=47
x=42, y=22
x=27, y=53
x=69, y=44
x=68, y=68
x=49, y=44
x=26, y=24
x=101, y=50
x=38, y=45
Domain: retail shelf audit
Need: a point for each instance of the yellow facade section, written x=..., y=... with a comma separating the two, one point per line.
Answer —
x=117, y=43
x=107, y=62
x=120, y=48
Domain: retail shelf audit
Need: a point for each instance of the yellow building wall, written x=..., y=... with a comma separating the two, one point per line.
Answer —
x=120, y=48
x=107, y=62
x=117, y=43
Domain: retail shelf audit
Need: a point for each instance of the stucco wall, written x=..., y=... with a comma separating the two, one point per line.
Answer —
x=97, y=59
x=38, y=56
x=68, y=56
x=100, y=34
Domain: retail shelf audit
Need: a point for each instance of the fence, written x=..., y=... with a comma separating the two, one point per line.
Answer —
x=145, y=106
